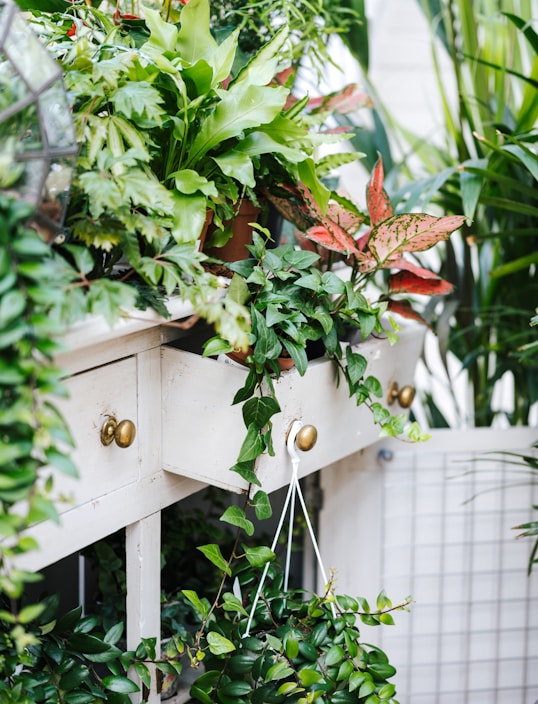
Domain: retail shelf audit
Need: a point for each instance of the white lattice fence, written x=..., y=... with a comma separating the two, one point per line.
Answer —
x=398, y=517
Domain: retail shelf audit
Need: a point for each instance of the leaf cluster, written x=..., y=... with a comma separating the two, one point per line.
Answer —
x=170, y=128
x=70, y=659
x=482, y=162
x=34, y=436
x=311, y=24
x=299, y=648
x=35, y=443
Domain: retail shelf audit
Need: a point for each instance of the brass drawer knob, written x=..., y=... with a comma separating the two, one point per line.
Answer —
x=123, y=433
x=306, y=438
x=404, y=396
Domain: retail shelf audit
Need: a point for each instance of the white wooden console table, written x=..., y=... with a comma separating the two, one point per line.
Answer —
x=186, y=435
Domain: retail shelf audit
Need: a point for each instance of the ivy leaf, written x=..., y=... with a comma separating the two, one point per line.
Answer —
x=262, y=505
x=232, y=603
x=214, y=555
x=201, y=606
x=215, y=346
x=374, y=386
x=219, y=645
x=355, y=366
x=332, y=283
x=235, y=516
x=258, y=556
x=259, y=410
x=303, y=259
x=252, y=446
x=247, y=472
x=121, y=685
x=297, y=352
x=267, y=343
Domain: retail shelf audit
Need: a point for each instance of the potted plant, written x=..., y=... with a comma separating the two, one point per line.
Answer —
x=289, y=646
x=171, y=135
x=481, y=162
x=295, y=299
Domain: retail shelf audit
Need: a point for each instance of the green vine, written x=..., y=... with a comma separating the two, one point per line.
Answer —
x=43, y=658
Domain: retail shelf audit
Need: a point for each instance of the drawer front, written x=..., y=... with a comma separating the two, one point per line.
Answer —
x=203, y=432
x=94, y=397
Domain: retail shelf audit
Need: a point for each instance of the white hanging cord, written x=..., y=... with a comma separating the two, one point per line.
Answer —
x=293, y=488
x=266, y=568
x=295, y=465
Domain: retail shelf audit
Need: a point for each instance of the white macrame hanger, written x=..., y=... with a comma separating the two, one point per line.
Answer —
x=294, y=490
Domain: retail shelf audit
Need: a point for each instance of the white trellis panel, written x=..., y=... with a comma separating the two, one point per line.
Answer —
x=472, y=634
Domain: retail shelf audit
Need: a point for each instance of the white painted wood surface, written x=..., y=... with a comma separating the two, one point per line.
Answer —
x=94, y=396
x=197, y=395
x=143, y=550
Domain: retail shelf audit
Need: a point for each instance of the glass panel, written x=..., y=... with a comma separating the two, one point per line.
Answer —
x=58, y=181
x=37, y=139
x=56, y=117
x=23, y=127
x=55, y=195
x=33, y=178
x=4, y=17
x=28, y=55
x=12, y=89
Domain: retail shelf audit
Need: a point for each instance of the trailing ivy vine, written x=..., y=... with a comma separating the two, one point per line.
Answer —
x=43, y=658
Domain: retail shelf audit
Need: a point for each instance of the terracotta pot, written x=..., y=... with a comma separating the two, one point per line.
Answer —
x=240, y=356
x=205, y=228
x=235, y=249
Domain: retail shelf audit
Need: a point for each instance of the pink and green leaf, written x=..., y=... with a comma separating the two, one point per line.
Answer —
x=331, y=236
x=409, y=282
x=377, y=200
x=405, y=309
x=343, y=101
x=410, y=232
x=344, y=217
x=406, y=265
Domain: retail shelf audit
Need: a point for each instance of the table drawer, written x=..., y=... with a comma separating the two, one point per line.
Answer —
x=203, y=432
x=94, y=397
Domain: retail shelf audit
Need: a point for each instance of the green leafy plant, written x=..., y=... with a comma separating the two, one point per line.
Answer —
x=298, y=647
x=481, y=162
x=296, y=300
x=42, y=658
x=167, y=138
x=311, y=25
x=64, y=661
x=258, y=640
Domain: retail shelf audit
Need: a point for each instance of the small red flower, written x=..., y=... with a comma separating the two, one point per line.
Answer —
x=72, y=31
